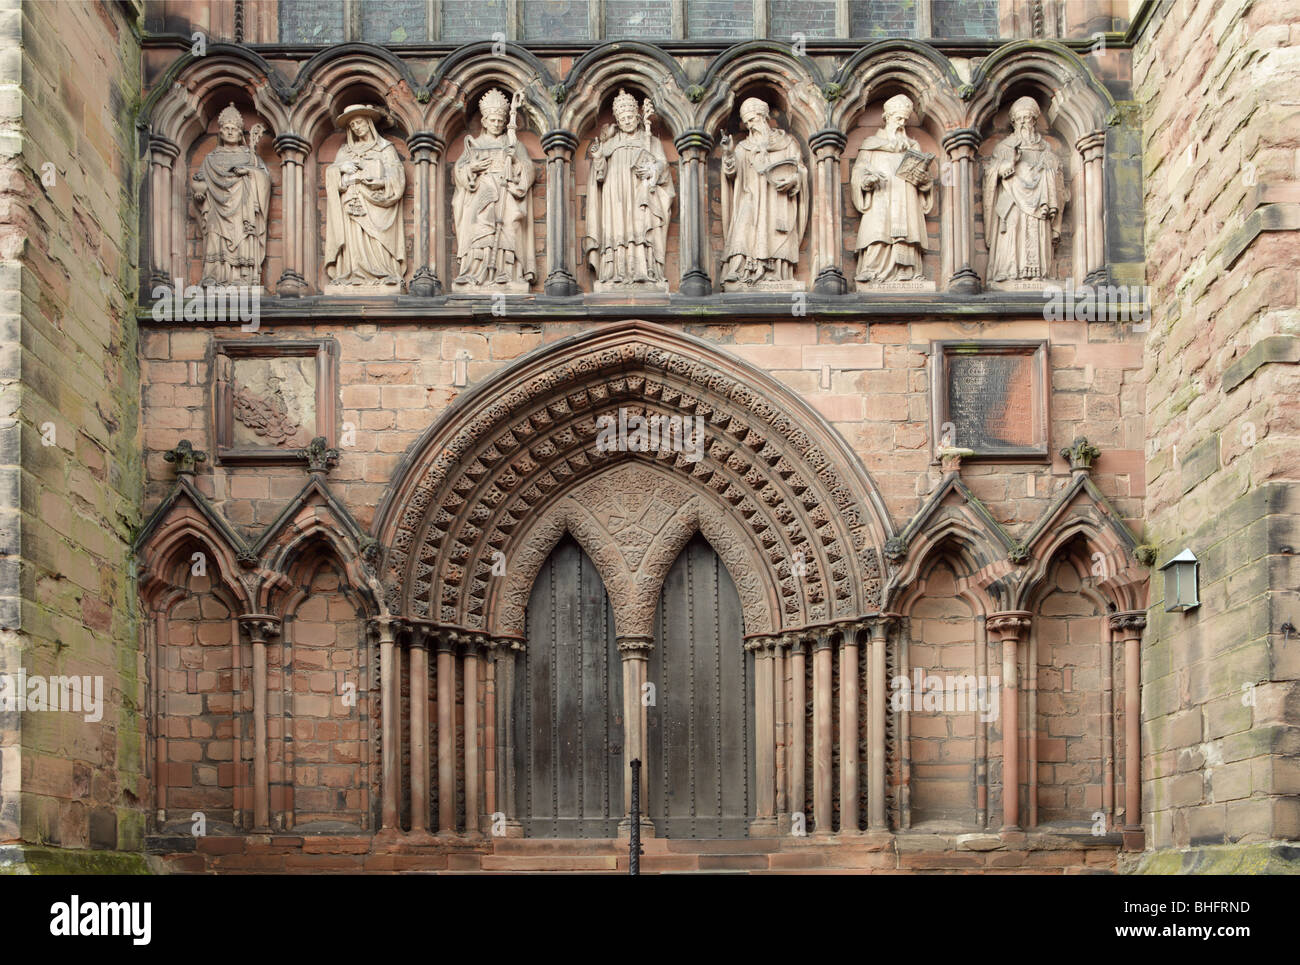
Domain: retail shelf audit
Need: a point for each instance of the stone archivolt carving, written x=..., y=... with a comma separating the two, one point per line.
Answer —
x=633, y=521
x=629, y=201
x=892, y=234
x=809, y=540
x=765, y=204
x=492, y=204
x=365, y=238
x=232, y=193
x=1024, y=199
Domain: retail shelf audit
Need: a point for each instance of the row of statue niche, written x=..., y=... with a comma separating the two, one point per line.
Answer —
x=630, y=191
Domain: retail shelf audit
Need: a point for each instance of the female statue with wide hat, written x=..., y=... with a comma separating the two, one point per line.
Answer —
x=365, y=237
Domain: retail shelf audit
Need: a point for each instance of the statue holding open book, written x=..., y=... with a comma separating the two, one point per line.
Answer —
x=893, y=187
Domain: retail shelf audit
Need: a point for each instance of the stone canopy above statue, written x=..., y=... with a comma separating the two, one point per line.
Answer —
x=882, y=177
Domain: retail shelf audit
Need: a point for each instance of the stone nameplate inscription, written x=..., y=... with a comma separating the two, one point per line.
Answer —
x=990, y=397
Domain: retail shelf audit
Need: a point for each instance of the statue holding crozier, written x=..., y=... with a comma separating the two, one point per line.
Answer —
x=629, y=201
x=232, y=193
x=492, y=203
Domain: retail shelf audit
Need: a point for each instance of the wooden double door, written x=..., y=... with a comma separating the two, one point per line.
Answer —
x=568, y=709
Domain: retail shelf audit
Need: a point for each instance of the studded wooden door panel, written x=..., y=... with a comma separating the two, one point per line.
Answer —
x=700, y=728
x=568, y=723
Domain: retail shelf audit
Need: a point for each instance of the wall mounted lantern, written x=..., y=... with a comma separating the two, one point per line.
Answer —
x=1181, y=583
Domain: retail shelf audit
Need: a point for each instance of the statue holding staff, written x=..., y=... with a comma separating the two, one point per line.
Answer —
x=232, y=193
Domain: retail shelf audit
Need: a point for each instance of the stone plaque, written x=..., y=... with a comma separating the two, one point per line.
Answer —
x=990, y=398
x=272, y=398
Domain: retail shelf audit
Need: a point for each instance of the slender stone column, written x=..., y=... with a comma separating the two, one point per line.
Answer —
x=961, y=145
x=507, y=655
x=693, y=149
x=260, y=628
x=390, y=725
x=447, y=641
x=472, y=734
x=1093, y=149
x=293, y=150
x=823, y=773
x=419, y=687
x=764, y=737
x=1108, y=727
x=878, y=688
x=426, y=149
x=849, y=732
x=635, y=652
x=798, y=730
x=1010, y=627
x=1130, y=624
x=559, y=146
x=165, y=265
x=780, y=706
x=827, y=146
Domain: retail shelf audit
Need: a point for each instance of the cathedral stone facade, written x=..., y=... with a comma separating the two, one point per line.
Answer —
x=837, y=435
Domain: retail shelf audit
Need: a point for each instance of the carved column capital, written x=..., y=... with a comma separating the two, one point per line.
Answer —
x=291, y=147
x=425, y=146
x=1092, y=145
x=260, y=627
x=635, y=646
x=320, y=455
x=881, y=624
x=559, y=142
x=961, y=143
x=827, y=143
x=1130, y=623
x=1009, y=625
x=1080, y=454
x=162, y=150
x=692, y=141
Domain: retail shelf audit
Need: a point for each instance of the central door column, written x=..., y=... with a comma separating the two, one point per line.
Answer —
x=764, y=823
x=635, y=652
x=447, y=640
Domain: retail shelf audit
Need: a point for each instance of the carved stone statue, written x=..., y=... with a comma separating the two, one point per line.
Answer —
x=893, y=188
x=764, y=205
x=1024, y=197
x=629, y=201
x=365, y=239
x=492, y=205
x=232, y=192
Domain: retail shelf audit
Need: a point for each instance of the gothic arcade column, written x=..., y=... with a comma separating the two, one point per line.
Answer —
x=446, y=671
x=473, y=734
x=1130, y=624
x=877, y=691
x=505, y=657
x=260, y=627
x=961, y=145
x=827, y=145
x=693, y=149
x=1093, y=149
x=419, y=690
x=849, y=731
x=426, y=151
x=1010, y=627
x=559, y=146
x=798, y=801
x=293, y=151
x=165, y=265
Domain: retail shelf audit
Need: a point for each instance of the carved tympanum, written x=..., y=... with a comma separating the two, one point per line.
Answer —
x=365, y=241
x=232, y=192
x=492, y=204
x=1024, y=199
x=764, y=204
x=629, y=201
